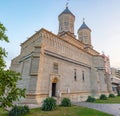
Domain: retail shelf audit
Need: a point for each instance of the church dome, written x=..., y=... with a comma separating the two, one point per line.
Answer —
x=84, y=26
x=67, y=11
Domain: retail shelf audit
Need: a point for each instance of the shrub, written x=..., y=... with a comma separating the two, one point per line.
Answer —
x=66, y=102
x=103, y=97
x=118, y=94
x=26, y=109
x=49, y=104
x=90, y=99
x=111, y=95
x=19, y=110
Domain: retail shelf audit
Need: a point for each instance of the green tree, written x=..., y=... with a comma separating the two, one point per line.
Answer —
x=9, y=91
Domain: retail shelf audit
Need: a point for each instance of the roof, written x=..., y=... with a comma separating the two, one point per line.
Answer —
x=67, y=11
x=84, y=26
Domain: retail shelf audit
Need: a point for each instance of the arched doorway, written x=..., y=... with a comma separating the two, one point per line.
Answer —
x=54, y=85
x=53, y=89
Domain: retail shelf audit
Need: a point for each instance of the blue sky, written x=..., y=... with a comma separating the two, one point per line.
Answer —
x=23, y=17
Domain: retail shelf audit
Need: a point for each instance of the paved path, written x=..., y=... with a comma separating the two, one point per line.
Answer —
x=113, y=109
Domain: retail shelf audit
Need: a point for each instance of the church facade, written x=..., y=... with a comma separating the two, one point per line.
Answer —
x=60, y=65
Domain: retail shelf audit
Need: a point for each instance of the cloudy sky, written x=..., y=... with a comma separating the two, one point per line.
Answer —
x=23, y=17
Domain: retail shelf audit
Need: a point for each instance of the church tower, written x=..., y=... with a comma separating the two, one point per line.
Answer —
x=84, y=35
x=66, y=22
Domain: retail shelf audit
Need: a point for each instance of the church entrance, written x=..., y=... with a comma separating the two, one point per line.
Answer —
x=53, y=89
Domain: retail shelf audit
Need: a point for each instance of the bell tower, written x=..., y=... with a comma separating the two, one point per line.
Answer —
x=66, y=22
x=84, y=35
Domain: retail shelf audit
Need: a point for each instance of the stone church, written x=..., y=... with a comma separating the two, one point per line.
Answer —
x=61, y=65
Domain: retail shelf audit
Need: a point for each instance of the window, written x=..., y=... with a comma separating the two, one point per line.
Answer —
x=66, y=23
x=83, y=78
x=75, y=77
x=55, y=67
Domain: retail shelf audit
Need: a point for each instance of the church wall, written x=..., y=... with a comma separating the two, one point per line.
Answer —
x=103, y=81
x=28, y=63
x=29, y=46
x=61, y=47
x=98, y=64
x=28, y=67
x=15, y=65
x=66, y=85
x=23, y=68
x=25, y=65
x=25, y=74
x=94, y=82
x=29, y=72
x=34, y=65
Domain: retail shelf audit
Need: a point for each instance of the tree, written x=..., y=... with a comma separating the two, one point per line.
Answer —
x=9, y=91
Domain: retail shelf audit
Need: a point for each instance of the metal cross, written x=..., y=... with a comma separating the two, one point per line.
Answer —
x=67, y=3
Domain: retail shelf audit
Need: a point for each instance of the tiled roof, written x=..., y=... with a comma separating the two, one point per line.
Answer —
x=67, y=11
x=84, y=26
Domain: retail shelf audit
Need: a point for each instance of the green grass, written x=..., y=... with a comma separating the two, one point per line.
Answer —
x=62, y=111
x=3, y=112
x=116, y=99
x=67, y=111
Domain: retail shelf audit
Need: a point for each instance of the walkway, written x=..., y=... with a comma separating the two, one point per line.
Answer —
x=113, y=109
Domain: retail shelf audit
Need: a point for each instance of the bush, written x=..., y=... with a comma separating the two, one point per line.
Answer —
x=118, y=94
x=103, y=97
x=19, y=110
x=90, y=99
x=111, y=95
x=26, y=109
x=66, y=102
x=49, y=104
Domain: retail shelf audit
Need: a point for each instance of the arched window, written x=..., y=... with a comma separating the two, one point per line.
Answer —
x=55, y=67
x=83, y=76
x=75, y=75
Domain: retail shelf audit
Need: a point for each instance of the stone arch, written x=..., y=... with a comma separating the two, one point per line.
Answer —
x=54, y=80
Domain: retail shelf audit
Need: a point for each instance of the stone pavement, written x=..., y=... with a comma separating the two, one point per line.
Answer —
x=34, y=105
x=113, y=109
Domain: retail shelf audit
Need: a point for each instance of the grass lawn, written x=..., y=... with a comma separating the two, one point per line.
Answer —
x=3, y=112
x=67, y=111
x=62, y=111
x=116, y=99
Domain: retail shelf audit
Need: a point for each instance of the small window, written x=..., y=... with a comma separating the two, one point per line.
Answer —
x=83, y=76
x=75, y=76
x=55, y=67
x=66, y=23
